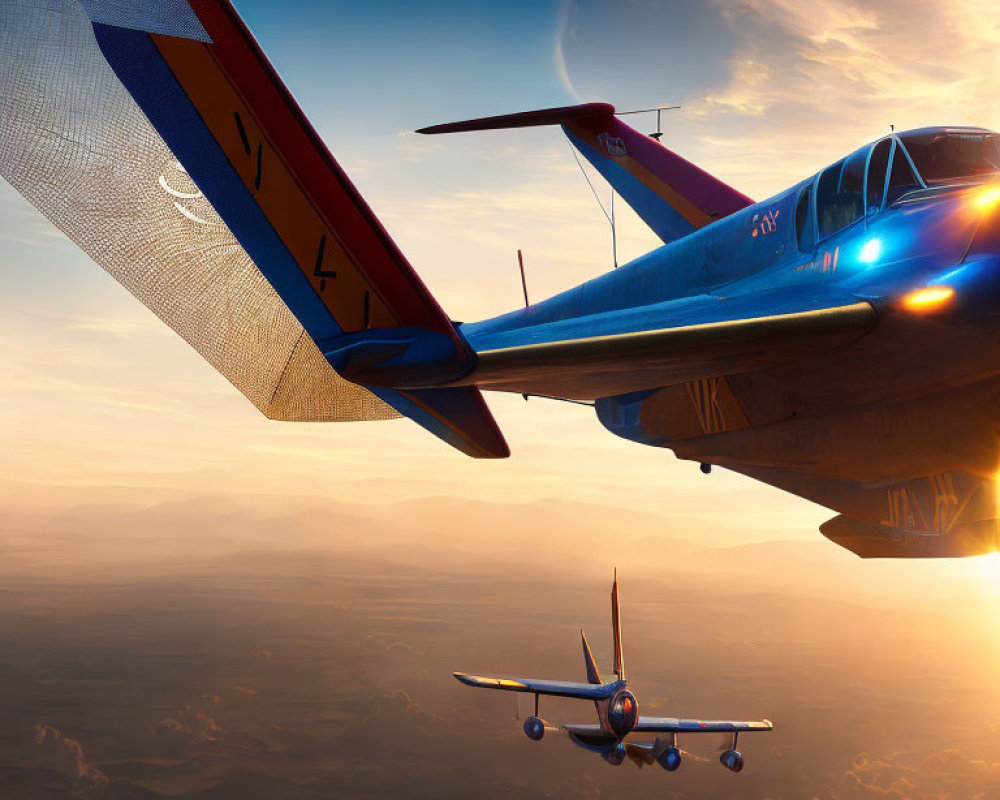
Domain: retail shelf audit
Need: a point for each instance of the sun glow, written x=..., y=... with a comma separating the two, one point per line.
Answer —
x=988, y=567
x=986, y=199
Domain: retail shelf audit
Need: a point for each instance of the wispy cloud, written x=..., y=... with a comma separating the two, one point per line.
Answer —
x=830, y=75
x=564, y=29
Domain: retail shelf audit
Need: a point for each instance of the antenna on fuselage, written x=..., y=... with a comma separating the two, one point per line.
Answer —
x=524, y=282
x=659, y=110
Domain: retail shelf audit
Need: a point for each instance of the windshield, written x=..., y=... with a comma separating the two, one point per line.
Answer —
x=950, y=156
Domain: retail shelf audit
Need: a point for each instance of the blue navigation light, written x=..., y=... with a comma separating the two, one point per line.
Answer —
x=870, y=251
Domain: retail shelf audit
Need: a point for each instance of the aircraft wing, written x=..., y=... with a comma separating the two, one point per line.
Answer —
x=674, y=725
x=158, y=137
x=582, y=691
x=670, y=343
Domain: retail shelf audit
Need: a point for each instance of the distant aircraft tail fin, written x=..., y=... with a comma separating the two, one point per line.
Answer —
x=593, y=674
x=671, y=195
x=616, y=629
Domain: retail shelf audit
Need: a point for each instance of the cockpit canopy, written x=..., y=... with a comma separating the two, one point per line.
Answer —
x=945, y=156
x=881, y=173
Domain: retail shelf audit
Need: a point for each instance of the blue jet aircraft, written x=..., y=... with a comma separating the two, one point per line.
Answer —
x=618, y=712
x=838, y=340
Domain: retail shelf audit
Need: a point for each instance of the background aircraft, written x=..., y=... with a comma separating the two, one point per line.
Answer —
x=618, y=712
x=836, y=340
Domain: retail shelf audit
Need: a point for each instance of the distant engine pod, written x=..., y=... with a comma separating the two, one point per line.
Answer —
x=616, y=755
x=732, y=760
x=534, y=728
x=623, y=713
x=669, y=759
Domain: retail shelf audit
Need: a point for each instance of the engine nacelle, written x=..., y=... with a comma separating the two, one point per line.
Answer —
x=534, y=728
x=732, y=760
x=623, y=713
x=615, y=756
x=669, y=759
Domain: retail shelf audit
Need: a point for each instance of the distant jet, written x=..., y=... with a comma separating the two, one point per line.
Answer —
x=618, y=712
x=839, y=340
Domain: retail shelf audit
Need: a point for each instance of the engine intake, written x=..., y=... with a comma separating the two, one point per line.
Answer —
x=623, y=713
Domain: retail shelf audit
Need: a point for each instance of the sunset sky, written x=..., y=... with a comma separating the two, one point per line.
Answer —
x=130, y=469
x=96, y=391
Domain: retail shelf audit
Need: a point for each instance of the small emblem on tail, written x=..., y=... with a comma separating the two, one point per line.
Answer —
x=613, y=145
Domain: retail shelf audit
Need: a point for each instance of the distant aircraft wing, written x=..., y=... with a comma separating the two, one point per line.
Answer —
x=582, y=691
x=673, y=725
x=668, y=343
x=590, y=736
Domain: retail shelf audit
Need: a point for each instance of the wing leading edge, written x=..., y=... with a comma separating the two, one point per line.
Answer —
x=673, y=725
x=567, y=359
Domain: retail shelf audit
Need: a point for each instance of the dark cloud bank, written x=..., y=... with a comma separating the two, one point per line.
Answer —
x=201, y=650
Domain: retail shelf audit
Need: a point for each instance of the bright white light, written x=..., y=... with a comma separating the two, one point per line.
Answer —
x=871, y=250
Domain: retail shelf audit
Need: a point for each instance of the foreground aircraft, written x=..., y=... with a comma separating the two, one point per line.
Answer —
x=839, y=340
x=618, y=712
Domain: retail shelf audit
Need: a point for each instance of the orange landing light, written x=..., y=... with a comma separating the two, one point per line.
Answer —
x=986, y=199
x=930, y=298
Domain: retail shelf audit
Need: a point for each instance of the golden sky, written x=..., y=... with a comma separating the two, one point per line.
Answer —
x=97, y=395
x=196, y=599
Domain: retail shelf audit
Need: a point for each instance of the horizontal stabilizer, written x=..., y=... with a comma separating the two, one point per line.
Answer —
x=582, y=691
x=525, y=119
x=672, y=196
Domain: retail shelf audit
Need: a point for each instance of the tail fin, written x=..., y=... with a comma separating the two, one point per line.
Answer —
x=226, y=116
x=671, y=195
x=593, y=674
x=616, y=629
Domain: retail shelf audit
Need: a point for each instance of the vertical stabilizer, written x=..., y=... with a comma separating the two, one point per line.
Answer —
x=672, y=196
x=593, y=674
x=616, y=629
